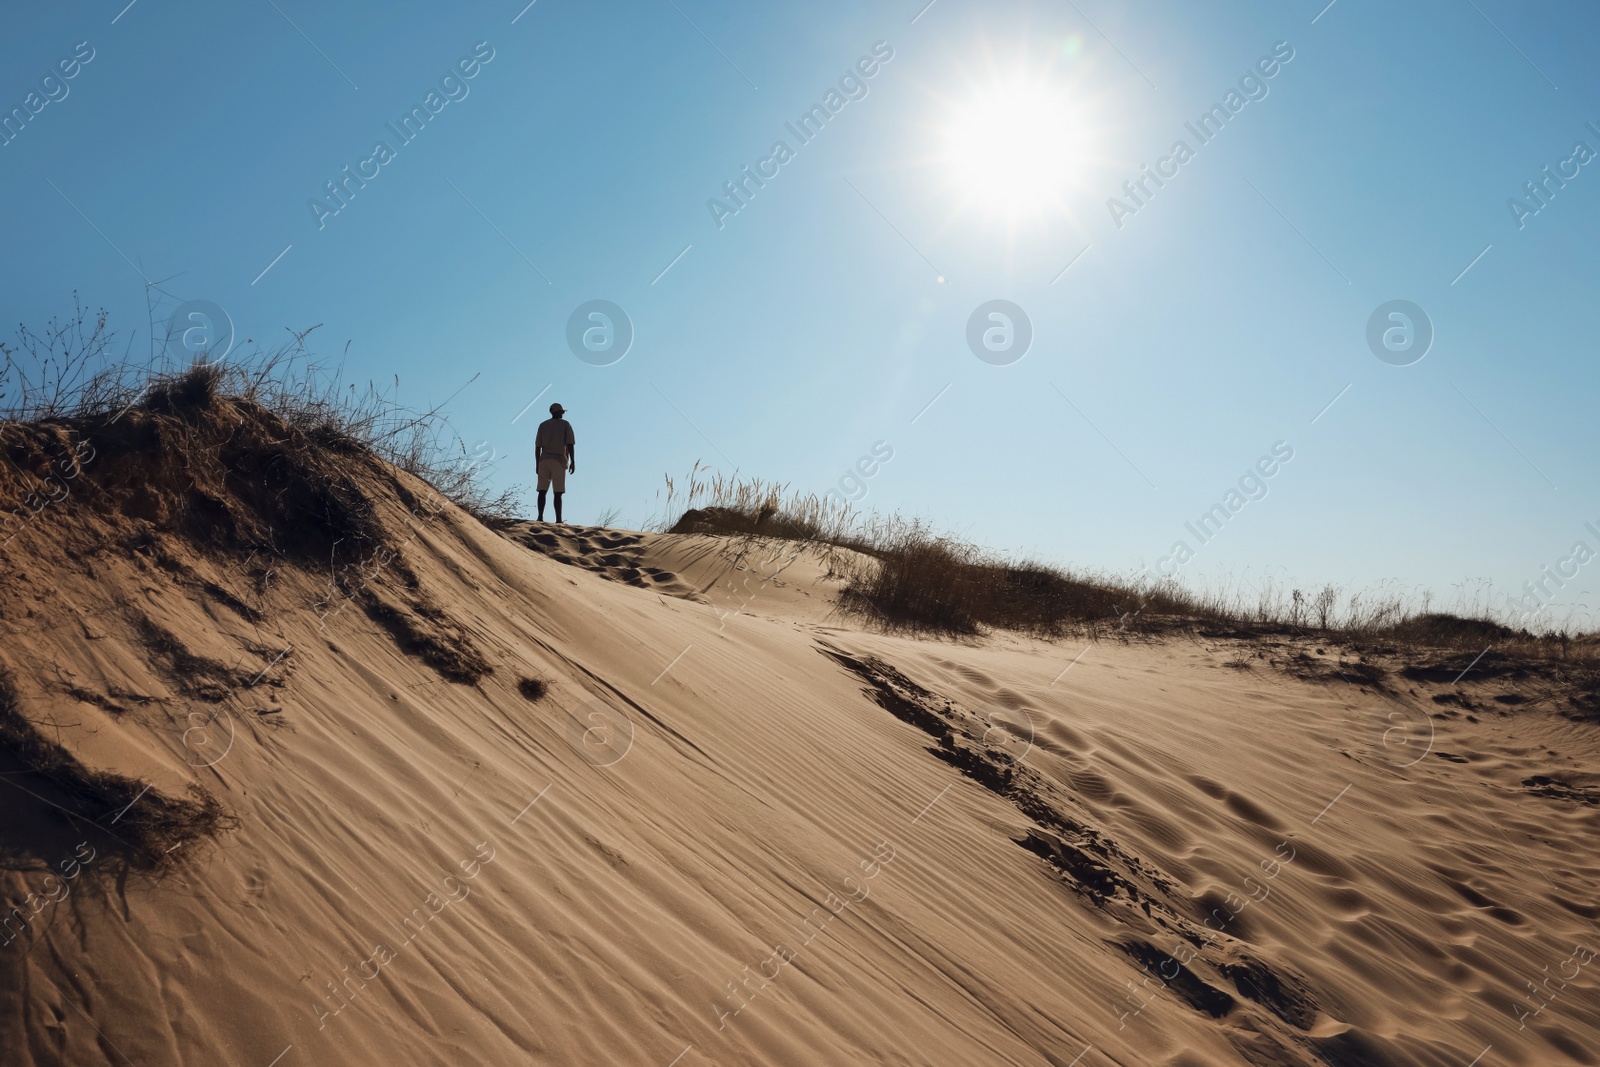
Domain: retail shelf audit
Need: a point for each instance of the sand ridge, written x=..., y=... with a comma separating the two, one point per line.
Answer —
x=1148, y=857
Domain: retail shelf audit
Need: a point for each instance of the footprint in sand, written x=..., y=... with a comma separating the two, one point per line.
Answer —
x=1509, y=916
x=255, y=884
x=1248, y=809
x=975, y=677
x=1091, y=785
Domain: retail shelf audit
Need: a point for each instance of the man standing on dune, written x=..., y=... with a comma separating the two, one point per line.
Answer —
x=554, y=456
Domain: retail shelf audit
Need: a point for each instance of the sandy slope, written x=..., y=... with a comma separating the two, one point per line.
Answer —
x=730, y=832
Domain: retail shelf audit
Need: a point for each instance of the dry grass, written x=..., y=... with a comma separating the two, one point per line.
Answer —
x=709, y=502
x=267, y=454
x=912, y=577
x=750, y=512
x=906, y=575
x=70, y=374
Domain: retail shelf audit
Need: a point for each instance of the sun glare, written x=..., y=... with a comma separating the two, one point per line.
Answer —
x=1016, y=149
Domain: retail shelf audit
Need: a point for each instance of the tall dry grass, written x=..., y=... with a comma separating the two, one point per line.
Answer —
x=72, y=371
x=907, y=575
x=749, y=506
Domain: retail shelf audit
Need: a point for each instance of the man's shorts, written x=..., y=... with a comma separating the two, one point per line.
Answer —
x=553, y=469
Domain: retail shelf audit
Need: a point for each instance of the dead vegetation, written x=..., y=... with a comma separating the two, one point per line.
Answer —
x=903, y=575
x=265, y=458
x=66, y=385
x=264, y=463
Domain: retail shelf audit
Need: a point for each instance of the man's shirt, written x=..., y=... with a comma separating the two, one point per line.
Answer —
x=554, y=438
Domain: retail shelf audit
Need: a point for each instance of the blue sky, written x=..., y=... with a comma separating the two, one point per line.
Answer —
x=1178, y=348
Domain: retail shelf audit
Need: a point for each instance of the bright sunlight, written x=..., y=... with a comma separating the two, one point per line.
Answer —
x=1017, y=148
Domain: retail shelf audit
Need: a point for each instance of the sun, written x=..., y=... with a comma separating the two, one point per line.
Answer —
x=1016, y=148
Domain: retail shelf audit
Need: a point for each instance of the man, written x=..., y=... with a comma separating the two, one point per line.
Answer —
x=554, y=456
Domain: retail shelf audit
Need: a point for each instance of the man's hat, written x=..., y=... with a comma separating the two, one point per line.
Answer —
x=557, y=409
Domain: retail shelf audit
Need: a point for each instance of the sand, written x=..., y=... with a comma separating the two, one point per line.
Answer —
x=742, y=828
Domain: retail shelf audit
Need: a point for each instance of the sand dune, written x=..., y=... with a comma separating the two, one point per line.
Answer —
x=741, y=828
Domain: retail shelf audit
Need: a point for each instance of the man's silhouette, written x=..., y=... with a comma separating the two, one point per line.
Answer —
x=554, y=456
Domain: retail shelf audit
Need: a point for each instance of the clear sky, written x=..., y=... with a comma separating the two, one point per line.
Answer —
x=1176, y=336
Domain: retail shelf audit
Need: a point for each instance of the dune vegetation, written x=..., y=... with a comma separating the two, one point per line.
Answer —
x=905, y=574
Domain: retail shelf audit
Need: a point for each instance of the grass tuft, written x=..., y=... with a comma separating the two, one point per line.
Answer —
x=906, y=575
x=71, y=375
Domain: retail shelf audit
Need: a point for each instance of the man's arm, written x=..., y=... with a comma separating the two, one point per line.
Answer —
x=572, y=459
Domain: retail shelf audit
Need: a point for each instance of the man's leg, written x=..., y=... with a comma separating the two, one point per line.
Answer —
x=558, y=507
x=541, y=506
